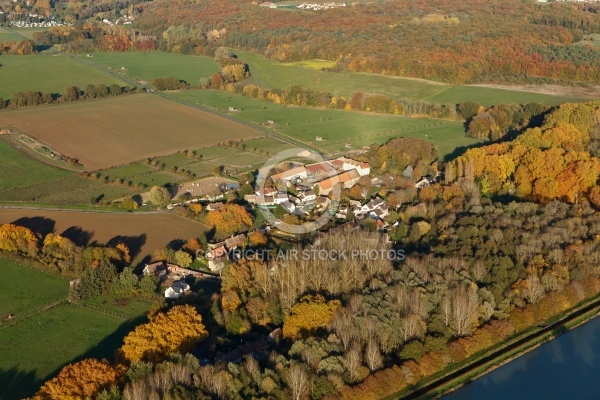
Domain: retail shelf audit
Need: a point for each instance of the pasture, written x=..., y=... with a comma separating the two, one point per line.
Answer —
x=47, y=73
x=337, y=128
x=28, y=32
x=25, y=178
x=143, y=232
x=145, y=66
x=18, y=298
x=489, y=96
x=19, y=169
x=308, y=74
x=35, y=349
x=6, y=36
x=116, y=131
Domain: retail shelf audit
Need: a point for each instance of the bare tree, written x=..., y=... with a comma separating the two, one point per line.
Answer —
x=413, y=327
x=252, y=367
x=373, y=355
x=446, y=306
x=464, y=310
x=344, y=326
x=478, y=271
x=534, y=290
x=353, y=358
x=298, y=381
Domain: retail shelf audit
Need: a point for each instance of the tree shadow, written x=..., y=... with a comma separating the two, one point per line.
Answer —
x=140, y=266
x=17, y=384
x=40, y=225
x=176, y=244
x=105, y=349
x=459, y=151
x=134, y=243
x=78, y=235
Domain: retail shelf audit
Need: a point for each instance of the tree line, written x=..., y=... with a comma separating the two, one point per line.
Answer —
x=71, y=94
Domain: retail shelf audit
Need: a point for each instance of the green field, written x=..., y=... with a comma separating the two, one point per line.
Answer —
x=28, y=32
x=34, y=350
x=18, y=298
x=243, y=159
x=126, y=171
x=47, y=73
x=337, y=128
x=19, y=170
x=271, y=74
x=6, y=36
x=490, y=96
x=146, y=66
x=157, y=179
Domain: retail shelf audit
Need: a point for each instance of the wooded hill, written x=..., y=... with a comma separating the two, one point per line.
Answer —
x=469, y=41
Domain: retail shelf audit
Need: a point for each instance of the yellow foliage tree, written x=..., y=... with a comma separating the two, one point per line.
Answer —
x=178, y=330
x=231, y=218
x=14, y=238
x=257, y=238
x=310, y=314
x=80, y=380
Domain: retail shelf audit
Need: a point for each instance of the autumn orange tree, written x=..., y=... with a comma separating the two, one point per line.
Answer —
x=542, y=164
x=81, y=380
x=310, y=314
x=177, y=330
x=231, y=218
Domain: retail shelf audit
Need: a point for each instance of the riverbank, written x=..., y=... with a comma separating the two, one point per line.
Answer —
x=513, y=355
x=483, y=363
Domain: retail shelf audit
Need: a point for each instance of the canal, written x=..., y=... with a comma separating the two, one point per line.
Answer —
x=567, y=367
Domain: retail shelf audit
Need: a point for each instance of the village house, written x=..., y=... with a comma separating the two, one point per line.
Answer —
x=322, y=203
x=177, y=289
x=214, y=206
x=288, y=206
x=319, y=171
x=306, y=197
x=235, y=241
x=294, y=174
x=349, y=178
x=280, y=198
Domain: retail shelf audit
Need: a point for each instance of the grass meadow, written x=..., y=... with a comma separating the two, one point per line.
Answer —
x=308, y=74
x=337, y=128
x=18, y=298
x=6, y=36
x=47, y=73
x=146, y=66
x=18, y=169
x=35, y=349
x=45, y=336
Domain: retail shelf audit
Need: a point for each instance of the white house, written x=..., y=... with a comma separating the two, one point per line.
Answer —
x=177, y=289
x=288, y=206
x=307, y=196
x=280, y=198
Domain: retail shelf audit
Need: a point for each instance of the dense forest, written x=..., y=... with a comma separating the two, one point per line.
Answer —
x=470, y=41
x=466, y=42
x=468, y=264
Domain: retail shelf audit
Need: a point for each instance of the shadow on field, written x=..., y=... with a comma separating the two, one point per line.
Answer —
x=78, y=236
x=133, y=243
x=39, y=225
x=105, y=349
x=17, y=384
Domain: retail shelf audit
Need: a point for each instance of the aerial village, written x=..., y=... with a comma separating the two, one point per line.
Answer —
x=298, y=189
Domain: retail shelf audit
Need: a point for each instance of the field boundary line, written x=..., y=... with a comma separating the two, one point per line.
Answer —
x=32, y=313
x=102, y=311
